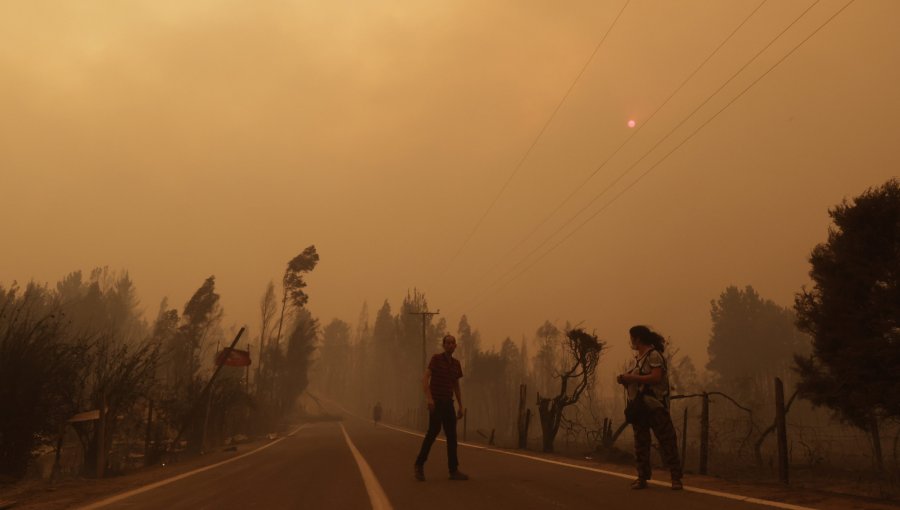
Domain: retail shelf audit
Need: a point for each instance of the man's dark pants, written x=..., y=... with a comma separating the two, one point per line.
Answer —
x=442, y=415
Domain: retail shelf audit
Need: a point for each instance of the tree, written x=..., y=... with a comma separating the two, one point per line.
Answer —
x=546, y=361
x=300, y=346
x=469, y=341
x=121, y=359
x=293, y=282
x=38, y=374
x=750, y=334
x=582, y=355
x=384, y=347
x=335, y=357
x=852, y=311
x=267, y=309
x=201, y=314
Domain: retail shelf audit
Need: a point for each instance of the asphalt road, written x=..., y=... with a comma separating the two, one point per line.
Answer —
x=316, y=468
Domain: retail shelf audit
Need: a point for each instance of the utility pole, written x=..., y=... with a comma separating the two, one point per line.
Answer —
x=425, y=316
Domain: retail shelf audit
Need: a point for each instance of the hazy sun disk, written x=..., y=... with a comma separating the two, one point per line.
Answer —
x=631, y=123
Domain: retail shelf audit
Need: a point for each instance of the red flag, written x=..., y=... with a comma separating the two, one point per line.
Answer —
x=233, y=358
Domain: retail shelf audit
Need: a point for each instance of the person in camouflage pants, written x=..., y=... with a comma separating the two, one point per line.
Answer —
x=661, y=423
x=647, y=387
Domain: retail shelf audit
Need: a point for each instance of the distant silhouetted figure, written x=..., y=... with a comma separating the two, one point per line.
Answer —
x=441, y=382
x=376, y=413
x=647, y=384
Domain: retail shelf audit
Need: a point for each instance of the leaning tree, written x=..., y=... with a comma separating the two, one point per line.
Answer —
x=582, y=355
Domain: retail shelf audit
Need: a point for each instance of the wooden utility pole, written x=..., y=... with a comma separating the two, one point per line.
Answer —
x=521, y=425
x=781, y=431
x=684, y=438
x=704, y=434
x=147, y=455
x=101, y=437
x=425, y=316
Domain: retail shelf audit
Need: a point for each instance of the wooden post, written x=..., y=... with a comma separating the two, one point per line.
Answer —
x=520, y=421
x=684, y=438
x=876, y=444
x=704, y=435
x=57, y=467
x=781, y=432
x=248, y=370
x=206, y=421
x=527, y=425
x=465, y=422
x=101, y=438
x=147, y=454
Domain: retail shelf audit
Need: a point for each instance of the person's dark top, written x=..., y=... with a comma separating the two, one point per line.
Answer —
x=445, y=372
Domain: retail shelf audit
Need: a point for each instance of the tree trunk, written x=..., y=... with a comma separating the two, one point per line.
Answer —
x=876, y=444
x=549, y=411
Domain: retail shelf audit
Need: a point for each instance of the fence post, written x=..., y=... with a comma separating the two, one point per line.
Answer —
x=527, y=425
x=520, y=418
x=704, y=434
x=147, y=455
x=876, y=444
x=781, y=432
x=101, y=437
x=684, y=438
x=465, y=423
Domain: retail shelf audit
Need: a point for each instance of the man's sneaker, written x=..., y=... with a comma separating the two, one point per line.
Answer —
x=419, y=472
x=677, y=485
x=639, y=484
x=458, y=475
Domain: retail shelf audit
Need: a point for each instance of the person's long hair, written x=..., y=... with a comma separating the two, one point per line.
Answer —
x=647, y=336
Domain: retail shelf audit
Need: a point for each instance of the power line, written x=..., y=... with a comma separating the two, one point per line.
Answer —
x=581, y=185
x=688, y=138
x=538, y=137
x=650, y=151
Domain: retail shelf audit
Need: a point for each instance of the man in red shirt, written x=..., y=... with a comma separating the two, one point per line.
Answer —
x=441, y=382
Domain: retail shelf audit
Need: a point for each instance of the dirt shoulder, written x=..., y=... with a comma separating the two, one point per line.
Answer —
x=72, y=492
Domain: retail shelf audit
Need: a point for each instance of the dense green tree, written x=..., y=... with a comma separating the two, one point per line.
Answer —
x=853, y=311
x=750, y=334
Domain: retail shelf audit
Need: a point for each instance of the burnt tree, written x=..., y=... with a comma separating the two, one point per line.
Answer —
x=582, y=355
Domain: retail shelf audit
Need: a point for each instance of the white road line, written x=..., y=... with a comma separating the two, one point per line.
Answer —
x=167, y=481
x=377, y=496
x=726, y=495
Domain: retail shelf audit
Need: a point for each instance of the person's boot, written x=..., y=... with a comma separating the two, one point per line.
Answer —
x=677, y=485
x=458, y=475
x=639, y=484
x=419, y=472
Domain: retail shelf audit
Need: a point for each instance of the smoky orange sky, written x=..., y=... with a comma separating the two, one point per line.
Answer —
x=182, y=139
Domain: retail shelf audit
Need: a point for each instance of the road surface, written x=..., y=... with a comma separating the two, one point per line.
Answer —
x=355, y=465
